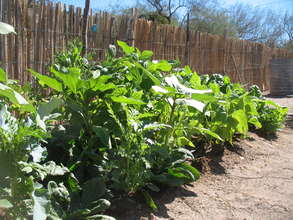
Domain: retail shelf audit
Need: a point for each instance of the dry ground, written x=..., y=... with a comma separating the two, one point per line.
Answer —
x=253, y=182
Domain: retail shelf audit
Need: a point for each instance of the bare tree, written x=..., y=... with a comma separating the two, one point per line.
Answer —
x=288, y=25
x=207, y=16
x=166, y=8
x=256, y=24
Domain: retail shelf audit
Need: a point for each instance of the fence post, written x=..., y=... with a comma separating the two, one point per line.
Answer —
x=85, y=26
x=224, y=50
x=187, y=46
x=133, y=26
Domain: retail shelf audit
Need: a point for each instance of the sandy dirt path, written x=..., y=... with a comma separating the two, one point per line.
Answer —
x=255, y=182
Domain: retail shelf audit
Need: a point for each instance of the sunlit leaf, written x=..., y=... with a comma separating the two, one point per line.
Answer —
x=126, y=49
x=5, y=204
x=16, y=98
x=6, y=28
x=183, y=141
x=241, y=118
x=146, y=54
x=70, y=79
x=159, y=89
x=192, y=103
x=46, y=80
x=3, y=76
x=162, y=65
x=149, y=200
x=131, y=101
x=174, y=82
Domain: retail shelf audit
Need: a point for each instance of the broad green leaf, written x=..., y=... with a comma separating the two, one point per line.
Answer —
x=174, y=82
x=146, y=54
x=195, y=173
x=255, y=122
x=56, y=170
x=240, y=117
x=162, y=65
x=146, y=115
x=37, y=153
x=137, y=94
x=155, y=80
x=131, y=101
x=13, y=96
x=183, y=141
x=48, y=108
x=70, y=79
x=188, y=70
x=100, y=84
x=3, y=76
x=149, y=200
x=105, y=87
x=268, y=102
x=73, y=183
x=5, y=204
x=96, y=74
x=40, y=123
x=16, y=98
x=100, y=206
x=215, y=87
x=46, y=80
x=170, y=180
x=209, y=132
x=126, y=49
x=102, y=133
x=187, y=154
x=178, y=175
x=41, y=204
x=227, y=80
x=93, y=190
x=205, y=98
x=192, y=103
x=155, y=126
x=159, y=89
x=195, y=79
x=6, y=28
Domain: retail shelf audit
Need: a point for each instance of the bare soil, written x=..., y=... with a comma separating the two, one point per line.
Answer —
x=251, y=181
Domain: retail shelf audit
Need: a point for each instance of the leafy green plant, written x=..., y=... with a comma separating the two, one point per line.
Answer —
x=105, y=124
x=111, y=130
x=271, y=116
x=31, y=185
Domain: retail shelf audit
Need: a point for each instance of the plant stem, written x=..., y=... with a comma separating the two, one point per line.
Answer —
x=170, y=122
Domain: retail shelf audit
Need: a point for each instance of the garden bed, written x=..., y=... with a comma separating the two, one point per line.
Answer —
x=254, y=181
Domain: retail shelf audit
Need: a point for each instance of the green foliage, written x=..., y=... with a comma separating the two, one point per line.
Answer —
x=128, y=125
x=271, y=116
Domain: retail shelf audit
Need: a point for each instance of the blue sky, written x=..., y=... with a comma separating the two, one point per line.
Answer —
x=277, y=5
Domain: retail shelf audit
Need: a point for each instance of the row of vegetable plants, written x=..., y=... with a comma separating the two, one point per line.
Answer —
x=111, y=130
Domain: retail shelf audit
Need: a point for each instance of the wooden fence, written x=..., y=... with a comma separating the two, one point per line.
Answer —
x=46, y=29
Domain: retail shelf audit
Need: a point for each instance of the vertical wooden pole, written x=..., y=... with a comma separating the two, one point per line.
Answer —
x=187, y=46
x=85, y=27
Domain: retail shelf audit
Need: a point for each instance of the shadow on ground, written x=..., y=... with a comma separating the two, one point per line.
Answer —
x=289, y=121
x=136, y=210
